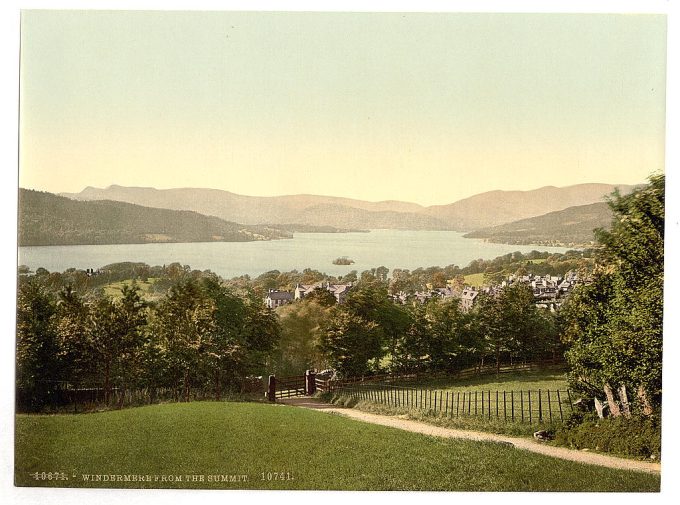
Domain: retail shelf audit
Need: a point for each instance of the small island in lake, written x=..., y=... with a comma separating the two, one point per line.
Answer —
x=343, y=261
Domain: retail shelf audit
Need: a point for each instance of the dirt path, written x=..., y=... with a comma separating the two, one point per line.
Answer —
x=519, y=443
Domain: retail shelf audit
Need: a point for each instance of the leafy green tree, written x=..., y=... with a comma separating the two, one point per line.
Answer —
x=411, y=351
x=72, y=329
x=352, y=344
x=262, y=333
x=619, y=342
x=509, y=323
x=37, y=352
x=452, y=341
x=131, y=320
x=322, y=296
x=115, y=336
x=185, y=325
x=224, y=352
x=301, y=331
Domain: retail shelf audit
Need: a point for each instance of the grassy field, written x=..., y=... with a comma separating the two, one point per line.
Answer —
x=513, y=381
x=517, y=381
x=475, y=280
x=281, y=447
x=113, y=289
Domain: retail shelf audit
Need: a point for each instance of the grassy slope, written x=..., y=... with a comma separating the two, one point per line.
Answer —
x=474, y=280
x=321, y=451
x=114, y=289
x=544, y=379
x=518, y=381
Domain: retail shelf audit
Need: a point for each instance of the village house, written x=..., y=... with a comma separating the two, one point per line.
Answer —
x=277, y=298
x=467, y=298
x=339, y=291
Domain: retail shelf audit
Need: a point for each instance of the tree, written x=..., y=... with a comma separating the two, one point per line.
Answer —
x=301, y=330
x=322, y=296
x=37, y=353
x=185, y=326
x=262, y=333
x=617, y=341
x=410, y=352
x=72, y=317
x=352, y=344
x=510, y=323
x=224, y=351
x=115, y=336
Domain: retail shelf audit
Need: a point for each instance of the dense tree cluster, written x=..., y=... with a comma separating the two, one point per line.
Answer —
x=613, y=327
x=199, y=335
x=369, y=333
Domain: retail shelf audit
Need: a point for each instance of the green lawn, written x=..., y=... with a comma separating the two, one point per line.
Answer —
x=113, y=290
x=475, y=280
x=311, y=449
x=472, y=395
x=514, y=381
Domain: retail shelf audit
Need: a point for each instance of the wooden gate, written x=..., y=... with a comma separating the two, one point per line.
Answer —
x=295, y=385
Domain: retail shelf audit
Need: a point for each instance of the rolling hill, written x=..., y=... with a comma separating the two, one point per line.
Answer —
x=479, y=211
x=569, y=227
x=294, y=209
x=48, y=219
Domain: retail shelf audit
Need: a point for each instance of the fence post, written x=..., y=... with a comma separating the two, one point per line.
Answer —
x=488, y=396
x=310, y=382
x=512, y=405
x=505, y=411
x=529, y=393
x=271, y=388
x=559, y=403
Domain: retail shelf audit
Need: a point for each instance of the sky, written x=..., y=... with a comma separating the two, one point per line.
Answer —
x=422, y=107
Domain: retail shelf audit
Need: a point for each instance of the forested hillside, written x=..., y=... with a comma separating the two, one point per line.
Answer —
x=47, y=219
x=569, y=227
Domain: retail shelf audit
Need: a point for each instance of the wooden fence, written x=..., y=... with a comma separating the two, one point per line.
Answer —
x=525, y=405
x=64, y=397
x=287, y=387
x=542, y=405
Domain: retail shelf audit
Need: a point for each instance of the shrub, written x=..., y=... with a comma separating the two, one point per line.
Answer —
x=637, y=437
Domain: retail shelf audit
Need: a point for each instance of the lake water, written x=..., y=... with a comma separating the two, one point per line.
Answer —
x=389, y=248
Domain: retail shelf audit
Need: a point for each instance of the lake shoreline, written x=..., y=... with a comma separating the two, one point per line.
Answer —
x=390, y=248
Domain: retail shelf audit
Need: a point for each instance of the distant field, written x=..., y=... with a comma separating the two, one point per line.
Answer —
x=114, y=289
x=281, y=447
x=544, y=379
x=475, y=280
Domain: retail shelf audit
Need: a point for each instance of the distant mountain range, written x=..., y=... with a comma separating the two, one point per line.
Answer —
x=48, y=219
x=117, y=214
x=484, y=210
x=570, y=227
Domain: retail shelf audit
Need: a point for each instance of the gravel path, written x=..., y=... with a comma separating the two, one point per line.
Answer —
x=519, y=443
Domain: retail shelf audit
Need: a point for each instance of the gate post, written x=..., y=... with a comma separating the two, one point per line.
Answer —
x=310, y=382
x=271, y=388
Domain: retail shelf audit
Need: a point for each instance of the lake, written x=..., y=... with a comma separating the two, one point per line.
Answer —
x=389, y=248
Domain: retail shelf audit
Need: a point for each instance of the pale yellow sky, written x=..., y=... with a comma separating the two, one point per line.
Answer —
x=429, y=108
